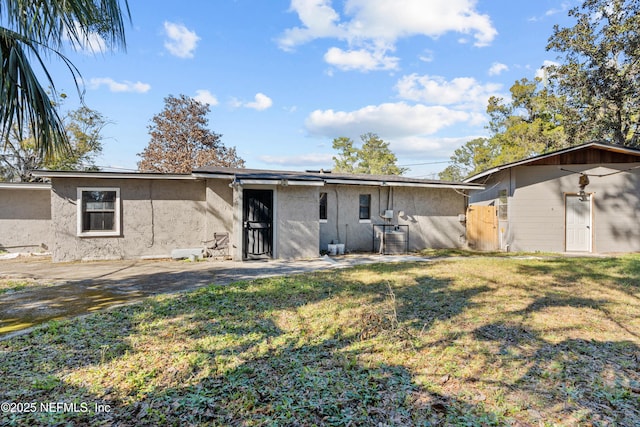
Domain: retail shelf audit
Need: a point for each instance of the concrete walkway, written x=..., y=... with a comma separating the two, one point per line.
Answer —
x=75, y=289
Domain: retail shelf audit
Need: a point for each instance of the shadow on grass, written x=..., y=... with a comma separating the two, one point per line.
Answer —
x=304, y=350
x=594, y=382
x=623, y=273
x=224, y=358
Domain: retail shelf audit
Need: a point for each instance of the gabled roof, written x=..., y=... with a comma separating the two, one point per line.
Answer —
x=247, y=176
x=566, y=155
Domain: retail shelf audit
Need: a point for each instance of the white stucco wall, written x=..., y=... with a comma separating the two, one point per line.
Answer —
x=157, y=216
x=297, y=226
x=25, y=220
x=430, y=213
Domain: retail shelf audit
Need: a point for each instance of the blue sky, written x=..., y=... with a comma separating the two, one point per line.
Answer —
x=285, y=77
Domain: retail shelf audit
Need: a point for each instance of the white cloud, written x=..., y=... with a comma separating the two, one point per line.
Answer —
x=435, y=146
x=541, y=73
x=91, y=44
x=360, y=59
x=181, y=41
x=319, y=20
x=311, y=159
x=464, y=92
x=114, y=86
x=383, y=22
x=497, y=68
x=390, y=119
x=261, y=102
x=206, y=97
x=427, y=56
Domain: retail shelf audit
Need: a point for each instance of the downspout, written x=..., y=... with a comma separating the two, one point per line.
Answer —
x=335, y=190
x=153, y=226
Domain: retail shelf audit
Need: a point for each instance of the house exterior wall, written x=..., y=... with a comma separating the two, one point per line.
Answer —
x=537, y=206
x=430, y=213
x=219, y=216
x=25, y=220
x=296, y=221
x=157, y=216
x=343, y=224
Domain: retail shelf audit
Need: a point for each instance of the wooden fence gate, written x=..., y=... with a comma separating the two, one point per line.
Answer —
x=482, y=228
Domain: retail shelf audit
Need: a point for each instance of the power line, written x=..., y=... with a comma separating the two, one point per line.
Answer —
x=427, y=163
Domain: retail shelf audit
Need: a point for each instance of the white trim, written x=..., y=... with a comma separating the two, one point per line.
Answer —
x=404, y=184
x=24, y=186
x=324, y=221
x=111, y=175
x=282, y=182
x=203, y=175
x=79, y=214
x=364, y=221
x=423, y=185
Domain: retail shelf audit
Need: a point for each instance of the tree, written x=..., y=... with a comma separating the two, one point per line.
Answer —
x=33, y=30
x=531, y=123
x=474, y=156
x=373, y=157
x=181, y=141
x=600, y=72
x=83, y=129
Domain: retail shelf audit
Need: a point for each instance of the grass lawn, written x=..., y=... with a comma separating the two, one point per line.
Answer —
x=8, y=285
x=463, y=341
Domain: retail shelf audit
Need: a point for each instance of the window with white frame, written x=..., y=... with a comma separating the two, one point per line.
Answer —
x=98, y=211
x=503, y=205
x=323, y=207
x=365, y=207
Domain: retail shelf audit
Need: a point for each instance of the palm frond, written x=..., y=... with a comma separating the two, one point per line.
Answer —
x=37, y=28
x=53, y=22
x=23, y=100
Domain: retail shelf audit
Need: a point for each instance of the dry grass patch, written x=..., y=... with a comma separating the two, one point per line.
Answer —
x=9, y=285
x=465, y=341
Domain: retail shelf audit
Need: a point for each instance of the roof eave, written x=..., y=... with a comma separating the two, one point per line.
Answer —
x=110, y=175
x=25, y=186
x=608, y=147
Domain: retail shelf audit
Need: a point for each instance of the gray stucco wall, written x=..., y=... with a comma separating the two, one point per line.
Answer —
x=219, y=211
x=156, y=217
x=25, y=220
x=297, y=228
x=430, y=213
x=537, y=206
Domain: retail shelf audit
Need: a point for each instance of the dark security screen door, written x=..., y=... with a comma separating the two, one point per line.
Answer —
x=258, y=223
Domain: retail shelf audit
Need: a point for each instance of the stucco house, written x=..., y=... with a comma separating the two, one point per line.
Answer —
x=25, y=217
x=584, y=198
x=240, y=213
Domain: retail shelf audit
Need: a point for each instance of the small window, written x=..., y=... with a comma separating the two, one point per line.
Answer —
x=365, y=206
x=323, y=206
x=503, y=201
x=98, y=211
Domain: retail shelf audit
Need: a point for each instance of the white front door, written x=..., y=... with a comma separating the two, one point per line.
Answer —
x=578, y=224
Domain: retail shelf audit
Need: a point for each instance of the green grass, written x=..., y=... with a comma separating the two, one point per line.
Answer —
x=462, y=341
x=16, y=285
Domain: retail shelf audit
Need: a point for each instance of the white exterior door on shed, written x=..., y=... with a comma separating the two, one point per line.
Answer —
x=578, y=224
